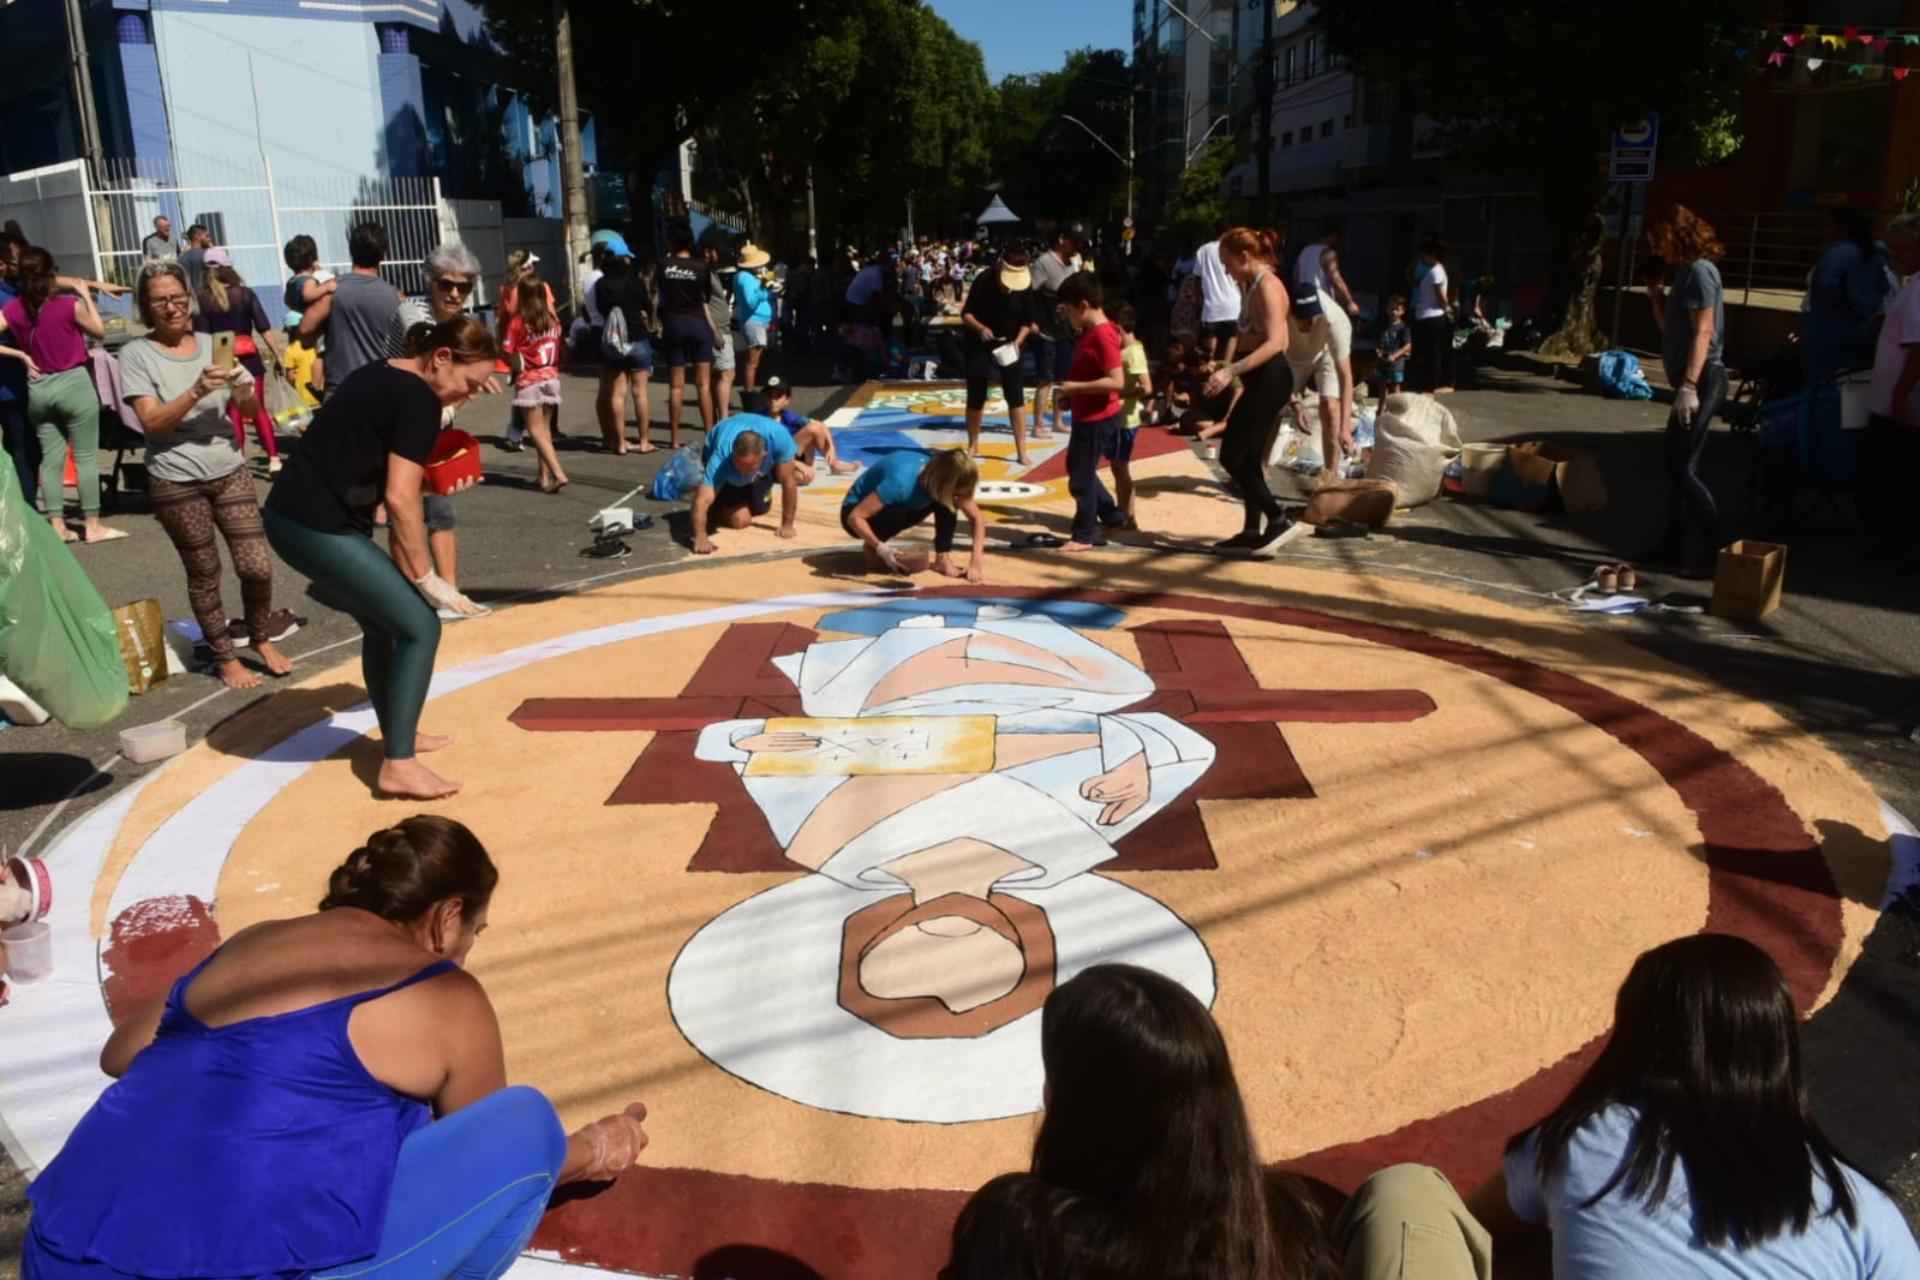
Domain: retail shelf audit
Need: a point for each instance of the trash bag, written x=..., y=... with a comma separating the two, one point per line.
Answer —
x=682, y=472
x=57, y=638
x=1621, y=378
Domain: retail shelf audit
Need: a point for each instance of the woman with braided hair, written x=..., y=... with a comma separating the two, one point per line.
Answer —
x=324, y=1096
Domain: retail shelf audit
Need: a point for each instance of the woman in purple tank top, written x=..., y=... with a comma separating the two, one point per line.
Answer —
x=324, y=1096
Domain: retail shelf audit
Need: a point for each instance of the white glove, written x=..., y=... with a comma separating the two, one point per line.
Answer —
x=1686, y=404
x=616, y=1142
x=440, y=593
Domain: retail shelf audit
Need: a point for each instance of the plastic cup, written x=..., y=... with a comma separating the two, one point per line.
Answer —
x=29, y=952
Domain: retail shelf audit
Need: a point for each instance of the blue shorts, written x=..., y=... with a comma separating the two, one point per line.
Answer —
x=1395, y=376
x=638, y=359
x=1052, y=358
x=1122, y=445
x=688, y=340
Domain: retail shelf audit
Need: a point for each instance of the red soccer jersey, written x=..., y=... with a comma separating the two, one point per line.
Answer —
x=1097, y=351
x=539, y=353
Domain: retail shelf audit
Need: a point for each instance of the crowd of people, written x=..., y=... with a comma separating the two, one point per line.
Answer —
x=367, y=1128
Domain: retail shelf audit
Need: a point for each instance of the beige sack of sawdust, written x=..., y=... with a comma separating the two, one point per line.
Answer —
x=1414, y=438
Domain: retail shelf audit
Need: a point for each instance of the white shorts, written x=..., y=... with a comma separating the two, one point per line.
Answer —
x=723, y=353
x=1310, y=355
x=538, y=395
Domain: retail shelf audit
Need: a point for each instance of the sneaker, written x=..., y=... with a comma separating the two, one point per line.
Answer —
x=281, y=623
x=273, y=466
x=1268, y=544
x=1241, y=541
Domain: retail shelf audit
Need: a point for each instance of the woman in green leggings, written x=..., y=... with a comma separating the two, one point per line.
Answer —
x=369, y=444
x=48, y=326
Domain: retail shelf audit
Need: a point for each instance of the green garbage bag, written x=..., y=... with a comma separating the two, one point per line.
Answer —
x=57, y=637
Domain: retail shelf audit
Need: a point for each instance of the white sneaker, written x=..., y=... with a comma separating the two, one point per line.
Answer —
x=1269, y=545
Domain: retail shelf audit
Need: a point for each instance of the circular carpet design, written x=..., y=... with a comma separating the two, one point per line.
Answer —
x=795, y=862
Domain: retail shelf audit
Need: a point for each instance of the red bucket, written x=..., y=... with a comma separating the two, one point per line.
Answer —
x=455, y=460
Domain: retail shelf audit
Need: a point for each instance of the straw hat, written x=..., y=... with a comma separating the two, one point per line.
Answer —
x=753, y=257
x=1014, y=279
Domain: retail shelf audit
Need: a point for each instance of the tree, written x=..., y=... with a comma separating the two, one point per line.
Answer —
x=1534, y=88
x=880, y=98
x=1048, y=167
x=1197, y=205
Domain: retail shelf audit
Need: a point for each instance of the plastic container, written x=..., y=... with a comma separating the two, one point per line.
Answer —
x=156, y=741
x=1006, y=354
x=1479, y=468
x=455, y=459
x=29, y=952
x=17, y=707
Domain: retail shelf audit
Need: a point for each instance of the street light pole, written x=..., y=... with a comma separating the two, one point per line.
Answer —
x=1263, y=93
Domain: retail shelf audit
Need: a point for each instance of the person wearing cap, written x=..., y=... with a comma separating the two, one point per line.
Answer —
x=741, y=459
x=999, y=313
x=1313, y=352
x=227, y=305
x=752, y=310
x=810, y=435
x=623, y=299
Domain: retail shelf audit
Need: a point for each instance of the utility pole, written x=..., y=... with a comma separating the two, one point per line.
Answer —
x=1130, y=227
x=813, y=237
x=83, y=91
x=1263, y=92
x=572, y=163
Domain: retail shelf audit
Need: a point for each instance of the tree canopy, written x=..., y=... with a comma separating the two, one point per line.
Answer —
x=1048, y=166
x=1534, y=88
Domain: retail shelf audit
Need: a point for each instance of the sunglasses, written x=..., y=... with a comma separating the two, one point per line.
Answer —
x=175, y=303
x=453, y=286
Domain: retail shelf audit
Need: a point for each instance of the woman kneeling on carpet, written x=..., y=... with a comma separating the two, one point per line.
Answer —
x=370, y=443
x=1144, y=1117
x=198, y=475
x=322, y=1096
x=1688, y=1149
x=902, y=489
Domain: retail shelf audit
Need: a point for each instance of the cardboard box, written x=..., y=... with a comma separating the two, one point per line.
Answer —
x=1748, y=580
x=1368, y=502
x=1573, y=470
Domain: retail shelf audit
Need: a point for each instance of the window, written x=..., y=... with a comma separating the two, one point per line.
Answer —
x=1293, y=64
x=1286, y=139
x=1313, y=56
x=1326, y=128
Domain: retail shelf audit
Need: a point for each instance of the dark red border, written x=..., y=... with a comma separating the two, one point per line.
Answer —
x=1766, y=881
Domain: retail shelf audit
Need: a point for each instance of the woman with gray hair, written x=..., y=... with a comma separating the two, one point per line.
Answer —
x=197, y=475
x=453, y=273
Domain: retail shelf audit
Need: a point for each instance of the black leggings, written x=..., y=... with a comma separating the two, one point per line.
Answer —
x=1432, y=354
x=1248, y=440
x=889, y=522
x=1689, y=502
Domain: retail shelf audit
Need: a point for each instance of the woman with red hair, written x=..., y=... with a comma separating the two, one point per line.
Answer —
x=1692, y=320
x=1251, y=258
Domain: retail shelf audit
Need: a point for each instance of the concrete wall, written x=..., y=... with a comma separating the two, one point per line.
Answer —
x=318, y=92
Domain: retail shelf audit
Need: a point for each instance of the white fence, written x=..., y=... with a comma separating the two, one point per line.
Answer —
x=252, y=212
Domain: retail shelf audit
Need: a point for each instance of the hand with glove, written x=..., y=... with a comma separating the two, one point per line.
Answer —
x=607, y=1148
x=442, y=594
x=1686, y=404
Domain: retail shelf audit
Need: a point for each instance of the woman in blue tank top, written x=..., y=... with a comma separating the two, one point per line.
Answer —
x=324, y=1096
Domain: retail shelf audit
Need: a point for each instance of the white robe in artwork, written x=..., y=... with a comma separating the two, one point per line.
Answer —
x=1034, y=811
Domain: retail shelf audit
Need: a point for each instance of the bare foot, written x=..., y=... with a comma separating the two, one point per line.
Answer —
x=425, y=742
x=411, y=780
x=66, y=534
x=277, y=662
x=1024, y=461
x=645, y=448
x=1076, y=548
x=844, y=468
x=235, y=676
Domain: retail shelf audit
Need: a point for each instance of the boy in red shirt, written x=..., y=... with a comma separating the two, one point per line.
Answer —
x=1092, y=388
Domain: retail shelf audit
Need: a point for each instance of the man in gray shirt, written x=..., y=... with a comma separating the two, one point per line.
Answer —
x=161, y=244
x=357, y=318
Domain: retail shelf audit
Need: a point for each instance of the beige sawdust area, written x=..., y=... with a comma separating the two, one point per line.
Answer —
x=1362, y=984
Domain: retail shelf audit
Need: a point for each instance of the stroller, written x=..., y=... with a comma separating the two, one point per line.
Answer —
x=1806, y=451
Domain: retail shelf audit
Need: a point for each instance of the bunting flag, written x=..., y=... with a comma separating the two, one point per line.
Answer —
x=1900, y=73
x=1814, y=64
x=1776, y=59
x=1836, y=47
x=1792, y=39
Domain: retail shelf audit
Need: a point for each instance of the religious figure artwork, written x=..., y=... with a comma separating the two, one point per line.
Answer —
x=953, y=777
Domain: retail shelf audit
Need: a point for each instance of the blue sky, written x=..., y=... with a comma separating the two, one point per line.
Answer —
x=1019, y=36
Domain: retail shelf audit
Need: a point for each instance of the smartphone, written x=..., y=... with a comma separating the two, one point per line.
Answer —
x=223, y=350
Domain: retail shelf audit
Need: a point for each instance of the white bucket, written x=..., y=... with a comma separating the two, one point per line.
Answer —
x=1006, y=355
x=1856, y=400
x=29, y=952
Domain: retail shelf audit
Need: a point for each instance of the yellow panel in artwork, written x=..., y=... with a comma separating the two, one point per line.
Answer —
x=803, y=747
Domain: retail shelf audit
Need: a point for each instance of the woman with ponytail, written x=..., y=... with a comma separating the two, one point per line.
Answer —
x=369, y=444
x=1266, y=380
x=48, y=326
x=324, y=1096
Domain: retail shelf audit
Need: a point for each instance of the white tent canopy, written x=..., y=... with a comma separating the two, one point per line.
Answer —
x=997, y=214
